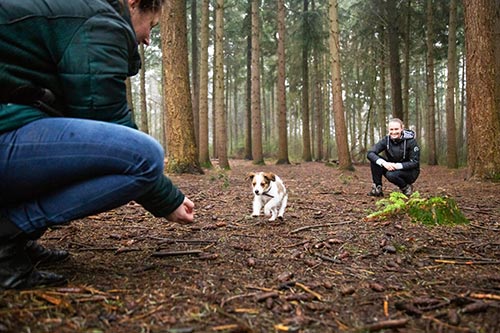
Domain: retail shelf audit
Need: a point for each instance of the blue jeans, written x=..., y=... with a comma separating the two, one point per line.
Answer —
x=55, y=170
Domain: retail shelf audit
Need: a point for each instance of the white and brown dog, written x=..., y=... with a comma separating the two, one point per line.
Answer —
x=268, y=190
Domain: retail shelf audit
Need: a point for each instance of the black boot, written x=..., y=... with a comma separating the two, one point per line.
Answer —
x=41, y=255
x=16, y=269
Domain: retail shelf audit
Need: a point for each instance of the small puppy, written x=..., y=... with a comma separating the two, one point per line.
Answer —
x=268, y=190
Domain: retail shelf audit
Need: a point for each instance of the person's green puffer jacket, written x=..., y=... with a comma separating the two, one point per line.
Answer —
x=81, y=51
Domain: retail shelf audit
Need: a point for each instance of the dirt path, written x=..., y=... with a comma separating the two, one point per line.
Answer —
x=323, y=269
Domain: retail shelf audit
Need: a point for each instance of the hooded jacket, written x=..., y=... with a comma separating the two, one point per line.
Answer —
x=404, y=150
x=71, y=58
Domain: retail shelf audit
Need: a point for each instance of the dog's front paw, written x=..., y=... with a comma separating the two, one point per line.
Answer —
x=272, y=219
x=255, y=215
x=280, y=218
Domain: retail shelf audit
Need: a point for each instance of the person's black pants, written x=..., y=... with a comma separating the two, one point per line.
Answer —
x=400, y=178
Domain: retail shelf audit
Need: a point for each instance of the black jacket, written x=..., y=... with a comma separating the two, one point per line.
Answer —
x=404, y=150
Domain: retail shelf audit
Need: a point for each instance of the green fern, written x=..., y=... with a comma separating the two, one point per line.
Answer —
x=432, y=211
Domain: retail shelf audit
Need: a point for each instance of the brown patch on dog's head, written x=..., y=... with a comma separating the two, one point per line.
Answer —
x=270, y=176
x=250, y=175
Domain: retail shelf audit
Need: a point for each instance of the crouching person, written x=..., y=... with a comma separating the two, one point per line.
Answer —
x=68, y=145
x=397, y=158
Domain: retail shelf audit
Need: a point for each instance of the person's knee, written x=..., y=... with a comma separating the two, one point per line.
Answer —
x=392, y=176
x=151, y=159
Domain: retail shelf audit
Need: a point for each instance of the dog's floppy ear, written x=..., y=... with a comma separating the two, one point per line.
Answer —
x=250, y=175
x=270, y=176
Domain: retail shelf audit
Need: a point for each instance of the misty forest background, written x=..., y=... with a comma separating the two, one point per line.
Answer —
x=303, y=80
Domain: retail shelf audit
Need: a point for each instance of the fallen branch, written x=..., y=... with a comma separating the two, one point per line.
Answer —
x=306, y=289
x=175, y=253
x=440, y=257
x=265, y=295
x=469, y=262
x=318, y=226
x=485, y=296
x=395, y=323
x=227, y=300
x=330, y=259
x=187, y=241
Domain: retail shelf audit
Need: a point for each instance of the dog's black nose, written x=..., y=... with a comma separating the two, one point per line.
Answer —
x=256, y=191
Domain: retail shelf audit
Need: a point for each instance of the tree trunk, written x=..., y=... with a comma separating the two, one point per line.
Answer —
x=282, y=123
x=451, y=132
x=497, y=57
x=394, y=63
x=144, y=107
x=195, y=70
x=182, y=157
x=306, y=133
x=130, y=97
x=256, y=109
x=248, y=97
x=431, y=110
x=483, y=115
x=318, y=102
x=406, y=77
x=382, y=115
x=345, y=162
x=220, y=112
x=204, y=156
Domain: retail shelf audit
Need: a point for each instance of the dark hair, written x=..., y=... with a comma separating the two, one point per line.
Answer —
x=151, y=5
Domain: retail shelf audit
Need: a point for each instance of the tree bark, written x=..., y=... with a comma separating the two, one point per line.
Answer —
x=431, y=107
x=195, y=70
x=182, y=153
x=394, y=63
x=483, y=116
x=204, y=156
x=451, y=132
x=256, y=109
x=248, y=97
x=220, y=112
x=144, y=107
x=306, y=132
x=130, y=97
x=345, y=162
x=282, y=123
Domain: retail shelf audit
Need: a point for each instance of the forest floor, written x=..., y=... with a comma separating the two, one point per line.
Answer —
x=325, y=268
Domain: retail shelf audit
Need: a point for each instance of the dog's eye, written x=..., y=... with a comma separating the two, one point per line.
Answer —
x=262, y=184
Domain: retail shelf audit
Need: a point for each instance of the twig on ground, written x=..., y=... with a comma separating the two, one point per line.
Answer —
x=306, y=289
x=485, y=296
x=175, y=253
x=229, y=299
x=330, y=259
x=394, y=323
x=469, y=262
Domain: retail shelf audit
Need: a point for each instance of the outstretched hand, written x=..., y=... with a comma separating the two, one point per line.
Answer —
x=184, y=213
